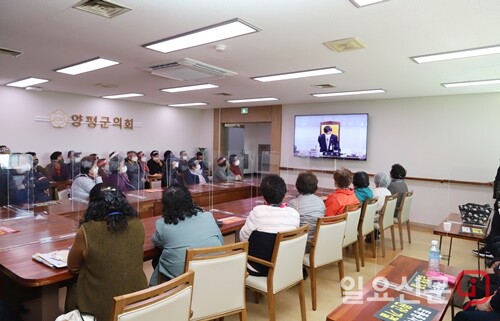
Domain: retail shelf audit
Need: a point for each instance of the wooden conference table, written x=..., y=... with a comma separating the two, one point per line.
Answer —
x=370, y=299
x=53, y=228
x=456, y=232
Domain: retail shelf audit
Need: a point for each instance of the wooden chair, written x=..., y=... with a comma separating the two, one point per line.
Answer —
x=285, y=269
x=156, y=184
x=367, y=227
x=63, y=194
x=220, y=274
x=351, y=230
x=326, y=248
x=170, y=301
x=404, y=216
x=386, y=220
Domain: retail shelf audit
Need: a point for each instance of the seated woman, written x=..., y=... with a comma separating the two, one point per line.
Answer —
x=481, y=309
x=86, y=180
x=107, y=254
x=309, y=206
x=343, y=195
x=184, y=225
x=155, y=164
x=234, y=166
x=222, y=173
x=381, y=181
x=398, y=185
x=264, y=221
x=118, y=177
x=135, y=171
x=193, y=176
x=361, y=189
x=41, y=182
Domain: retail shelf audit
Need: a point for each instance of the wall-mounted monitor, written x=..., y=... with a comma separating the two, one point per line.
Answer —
x=342, y=136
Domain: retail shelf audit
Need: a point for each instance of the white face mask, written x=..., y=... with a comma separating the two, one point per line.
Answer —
x=237, y=162
x=175, y=164
x=94, y=171
x=143, y=159
x=134, y=159
x=123, y=170
x=184, y=157
x=156, y=158
x=198, y=167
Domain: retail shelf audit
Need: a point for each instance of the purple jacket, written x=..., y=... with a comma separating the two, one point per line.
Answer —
x=120, y=181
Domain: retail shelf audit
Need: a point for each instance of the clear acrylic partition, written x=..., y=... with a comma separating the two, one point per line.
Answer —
x=37, y=211
x=434, y=197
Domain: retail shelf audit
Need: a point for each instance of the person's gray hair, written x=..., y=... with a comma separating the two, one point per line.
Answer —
x=382, y=180
x=115, y=162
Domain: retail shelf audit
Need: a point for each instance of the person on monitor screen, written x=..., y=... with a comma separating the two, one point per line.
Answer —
x=328, y=142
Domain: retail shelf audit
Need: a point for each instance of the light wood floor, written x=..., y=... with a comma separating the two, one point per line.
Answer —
x=287, y=302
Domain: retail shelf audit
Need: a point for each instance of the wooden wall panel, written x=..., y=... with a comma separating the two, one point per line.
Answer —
x=261, y=114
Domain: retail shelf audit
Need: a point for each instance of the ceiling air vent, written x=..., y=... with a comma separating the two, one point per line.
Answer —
x=8, y=52
x=188, y=69
x=101, y=8
x=346, y=44
x=223, y=94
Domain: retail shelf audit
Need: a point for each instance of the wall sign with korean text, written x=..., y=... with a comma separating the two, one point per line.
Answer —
x=60, y=119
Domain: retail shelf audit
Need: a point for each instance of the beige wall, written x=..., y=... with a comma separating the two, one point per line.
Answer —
x=162, y=127
x=444, y=138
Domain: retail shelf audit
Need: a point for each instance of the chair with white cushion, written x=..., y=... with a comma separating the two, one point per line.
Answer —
x=285, y=269
x=367, y=227
x=63, y=194
x=351, y=230
x=404, y=216
x=326, y=248
x=220, y=274
x=170, y=301
x=386, y=220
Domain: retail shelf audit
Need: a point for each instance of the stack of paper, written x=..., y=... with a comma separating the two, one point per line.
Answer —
x=54, y=259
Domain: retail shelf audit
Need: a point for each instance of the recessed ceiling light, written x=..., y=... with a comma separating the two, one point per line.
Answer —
x=187, y=104
x=123, y=96
x=189, y=88
x=467, y=53
x=348, y=93
x=27, y=82
x=300, y=74
x=86, y=66
x=220, y=31
x=250, y=100
x=362, y=3
x=471, y=83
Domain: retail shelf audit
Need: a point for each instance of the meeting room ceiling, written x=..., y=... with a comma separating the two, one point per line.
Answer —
x=52, y=34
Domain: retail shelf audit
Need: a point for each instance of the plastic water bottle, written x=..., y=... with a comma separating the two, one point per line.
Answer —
x=434, y=256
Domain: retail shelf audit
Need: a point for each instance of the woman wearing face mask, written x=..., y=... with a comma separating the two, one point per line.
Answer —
x=134, y=171
x=222, y=173
x=21, y=179
x=42, y=183
x=234, y=166
x=118, y=177
x=183, y=161
x=155, y=164
x=143, y=169
x=57, y=170
x=86, y=180
x=193, y=175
